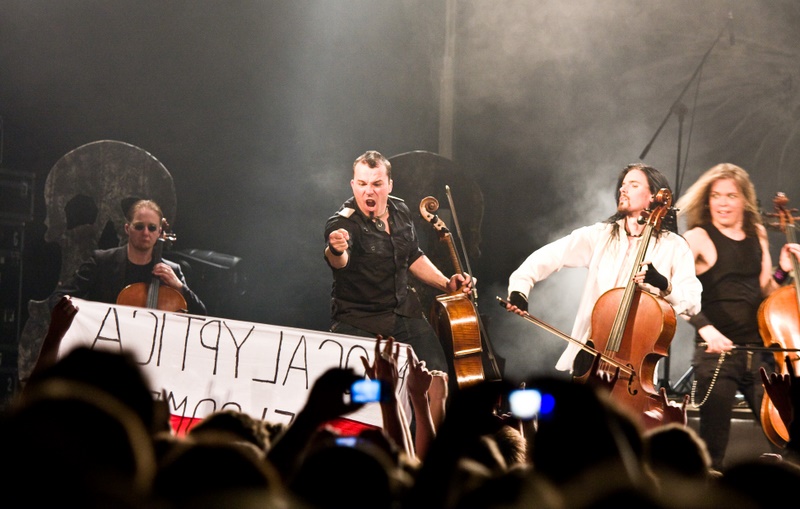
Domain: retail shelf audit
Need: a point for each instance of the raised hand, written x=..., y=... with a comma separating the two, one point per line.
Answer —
x=671, y=411
x=779, y=389
x=418, y=379
x=325, y=402
x=338, y=241
x=602, y=380
x=438, y=389
x=61, y=317
x=385, y=362
x=384, y=368
x=326, y=399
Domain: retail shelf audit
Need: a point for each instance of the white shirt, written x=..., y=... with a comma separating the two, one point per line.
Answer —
x=610, y=264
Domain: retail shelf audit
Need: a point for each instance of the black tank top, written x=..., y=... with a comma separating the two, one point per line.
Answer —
x=731, y=288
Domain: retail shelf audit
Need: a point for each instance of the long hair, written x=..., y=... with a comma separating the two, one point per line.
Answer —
x=694, y=204
x=655, y=181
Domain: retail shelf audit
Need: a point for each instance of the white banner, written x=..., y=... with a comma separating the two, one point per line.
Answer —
x=203, y=364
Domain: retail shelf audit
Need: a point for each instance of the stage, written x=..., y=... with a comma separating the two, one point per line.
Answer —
x=747, y=440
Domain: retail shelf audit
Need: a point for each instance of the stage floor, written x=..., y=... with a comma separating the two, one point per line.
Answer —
x=747, y=440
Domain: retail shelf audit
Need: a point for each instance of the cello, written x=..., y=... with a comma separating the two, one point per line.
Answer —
x=779, y=325
x=153, y=295
x=629, y=365
x=453, y=315
x=634, y=327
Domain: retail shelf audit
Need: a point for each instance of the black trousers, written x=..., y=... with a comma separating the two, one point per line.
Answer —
x=739, y=371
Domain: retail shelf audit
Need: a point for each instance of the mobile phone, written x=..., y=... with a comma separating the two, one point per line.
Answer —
x=366, y=391
x=346, y=441
x=526, y=404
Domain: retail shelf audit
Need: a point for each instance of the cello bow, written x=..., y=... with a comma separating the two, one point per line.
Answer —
x=624, y=370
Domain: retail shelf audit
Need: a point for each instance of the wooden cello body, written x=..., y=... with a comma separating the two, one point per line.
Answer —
x=153, y=295
x=453, y=315
x=635, y=328
x=645, y=340
x=779, y=326
x=145, y=295
x=454, y=319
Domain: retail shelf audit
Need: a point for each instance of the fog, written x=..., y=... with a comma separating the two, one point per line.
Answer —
x=258, y=108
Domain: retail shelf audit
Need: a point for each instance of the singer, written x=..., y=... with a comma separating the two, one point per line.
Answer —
x=371, y=248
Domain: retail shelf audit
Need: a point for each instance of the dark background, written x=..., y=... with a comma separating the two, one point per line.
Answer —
x=258, y=108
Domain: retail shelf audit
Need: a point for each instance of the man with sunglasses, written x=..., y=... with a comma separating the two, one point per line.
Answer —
x=103, y=276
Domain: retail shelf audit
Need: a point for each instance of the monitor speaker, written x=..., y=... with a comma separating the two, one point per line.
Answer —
x=217, y=278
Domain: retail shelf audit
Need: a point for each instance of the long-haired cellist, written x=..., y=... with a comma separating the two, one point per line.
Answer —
x=608, y=249
x=731, y=252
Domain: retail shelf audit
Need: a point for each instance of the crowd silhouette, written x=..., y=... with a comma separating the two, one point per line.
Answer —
x=86, y=431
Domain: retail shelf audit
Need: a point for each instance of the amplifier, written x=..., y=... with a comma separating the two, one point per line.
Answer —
x=12, y=237
x=8, y=356
x=16, y=195
x=9, y=387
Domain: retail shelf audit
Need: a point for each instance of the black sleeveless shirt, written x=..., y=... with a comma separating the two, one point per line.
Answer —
x=731, y=288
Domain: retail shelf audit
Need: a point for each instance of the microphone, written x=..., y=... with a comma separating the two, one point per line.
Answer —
x=731, y=35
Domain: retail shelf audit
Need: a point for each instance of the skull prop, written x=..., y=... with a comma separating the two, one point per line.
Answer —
x=87, y=191
x=110, y=176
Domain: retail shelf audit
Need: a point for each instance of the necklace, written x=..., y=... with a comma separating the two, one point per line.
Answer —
x=379, y=224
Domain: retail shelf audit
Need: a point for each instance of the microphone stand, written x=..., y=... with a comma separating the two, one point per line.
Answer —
x=680, y=109
x=676, y=105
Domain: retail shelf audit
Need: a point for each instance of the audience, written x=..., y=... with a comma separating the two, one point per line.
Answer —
x=67, y=443
x=347, y=472
x=235, y=427
x=87, y=432
x=767, y=482
x=673, y=450
x=218, y=473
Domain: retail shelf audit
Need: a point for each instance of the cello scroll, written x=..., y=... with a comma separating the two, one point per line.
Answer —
x=427, y=207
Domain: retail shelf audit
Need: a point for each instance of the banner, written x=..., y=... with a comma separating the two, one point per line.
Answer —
x=202, y=364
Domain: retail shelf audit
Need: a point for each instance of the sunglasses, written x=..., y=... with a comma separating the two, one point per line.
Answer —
x=140, y=226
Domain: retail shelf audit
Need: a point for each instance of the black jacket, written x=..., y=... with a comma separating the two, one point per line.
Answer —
x=102, y=277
